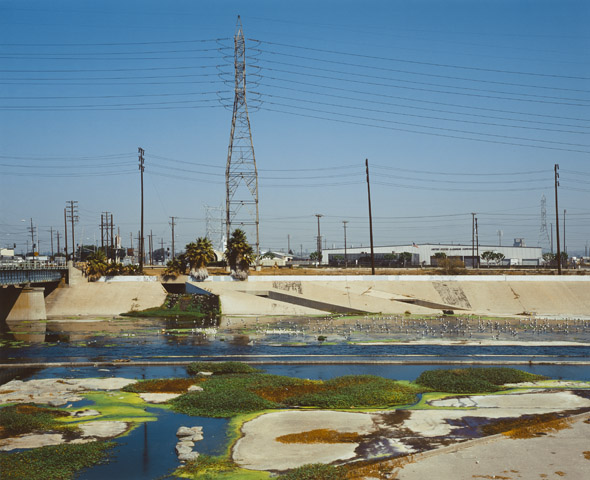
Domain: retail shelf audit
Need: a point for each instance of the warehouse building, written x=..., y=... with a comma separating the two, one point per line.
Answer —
x=426, y=255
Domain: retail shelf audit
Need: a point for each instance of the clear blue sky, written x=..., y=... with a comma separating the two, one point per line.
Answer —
x=460, y=107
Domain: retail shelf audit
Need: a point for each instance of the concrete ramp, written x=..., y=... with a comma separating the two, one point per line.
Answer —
x=418, y=294
x=253, y=301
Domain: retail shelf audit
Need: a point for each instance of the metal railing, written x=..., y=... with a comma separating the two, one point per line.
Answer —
x=21, y=273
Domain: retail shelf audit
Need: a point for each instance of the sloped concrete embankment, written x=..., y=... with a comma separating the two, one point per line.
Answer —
x=104, y=298
x=489, y=295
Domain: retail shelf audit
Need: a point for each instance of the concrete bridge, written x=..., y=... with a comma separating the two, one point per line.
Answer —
x=23, y=286
x=31, y=272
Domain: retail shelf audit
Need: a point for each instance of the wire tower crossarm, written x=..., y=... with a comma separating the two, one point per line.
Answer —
x=241, y=175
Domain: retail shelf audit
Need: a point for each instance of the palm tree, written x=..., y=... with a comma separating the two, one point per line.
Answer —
x=198, y=254
x=96, y=265
x=174, y=267
x=239, y=254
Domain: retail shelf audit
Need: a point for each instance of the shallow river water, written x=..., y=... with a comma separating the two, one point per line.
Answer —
x=152, y=348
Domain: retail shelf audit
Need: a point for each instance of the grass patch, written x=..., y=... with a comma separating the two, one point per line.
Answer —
x=207, y=467
x=202, y=308
x=321, y=435
x=60, y=462
x=22, y=419
x=223, y=396
x=220, y=368
x=356, y=391
x=120, y=406
x=315, y=471
x=162, y=385
x=473, y=380
x=232, y=394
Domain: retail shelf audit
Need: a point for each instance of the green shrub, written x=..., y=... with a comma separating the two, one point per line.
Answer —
x=27, y=418
x=315, y=471
x=223, y=396
x=161, y=385
x=219, y=368
x=60, y=462
x=232, y=394
x=473, y=380
x=207, y=467
x=357, y=391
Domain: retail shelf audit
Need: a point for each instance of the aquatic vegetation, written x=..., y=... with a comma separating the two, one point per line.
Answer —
x=119, y=406
x=219, y=368
x=528, y=427
x=204, y=308
x=233, y=394
x=60, y=462
x=321, y=435
x=223, y=396
x=207, y=467
x=26, y=418
x=356, y=391
x=162, y=385
x=315, y=471
x=473, y=380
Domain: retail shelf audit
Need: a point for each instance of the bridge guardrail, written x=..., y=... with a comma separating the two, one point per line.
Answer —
x=31, y=266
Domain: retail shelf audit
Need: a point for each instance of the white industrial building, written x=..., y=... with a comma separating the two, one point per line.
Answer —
x=424, y=254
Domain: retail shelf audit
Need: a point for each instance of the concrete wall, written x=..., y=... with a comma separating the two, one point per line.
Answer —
x=482, y=295
x=105, y=298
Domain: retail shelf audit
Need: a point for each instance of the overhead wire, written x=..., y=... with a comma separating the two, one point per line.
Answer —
x=382, y=95
x=531, y=100
x=386, y=69
x=414, y=107
x=350, y=122
x=471, y=122
x=417, y=62
x=510, y=137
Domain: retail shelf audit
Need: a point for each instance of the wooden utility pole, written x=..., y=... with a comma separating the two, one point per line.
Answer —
x=32, y=230
x=173, y=254
x=555, y=169
x=73, y=205
x=66, y=232
x=370, y=219
x=151, y=247
x=141, y=169
x=473, y=240
x=476, y=242
x=344, y=222
x=51, y=233
x=319, y=240
x=112, y=238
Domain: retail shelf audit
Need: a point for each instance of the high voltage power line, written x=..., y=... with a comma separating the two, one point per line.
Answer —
x=417, y=62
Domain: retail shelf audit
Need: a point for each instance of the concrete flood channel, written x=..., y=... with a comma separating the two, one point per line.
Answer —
x=154, y=348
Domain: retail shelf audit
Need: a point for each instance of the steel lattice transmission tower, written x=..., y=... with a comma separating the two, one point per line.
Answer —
x=214, y=225
x=241, y=175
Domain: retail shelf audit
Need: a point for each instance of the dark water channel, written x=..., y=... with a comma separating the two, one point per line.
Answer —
x=287, y=349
